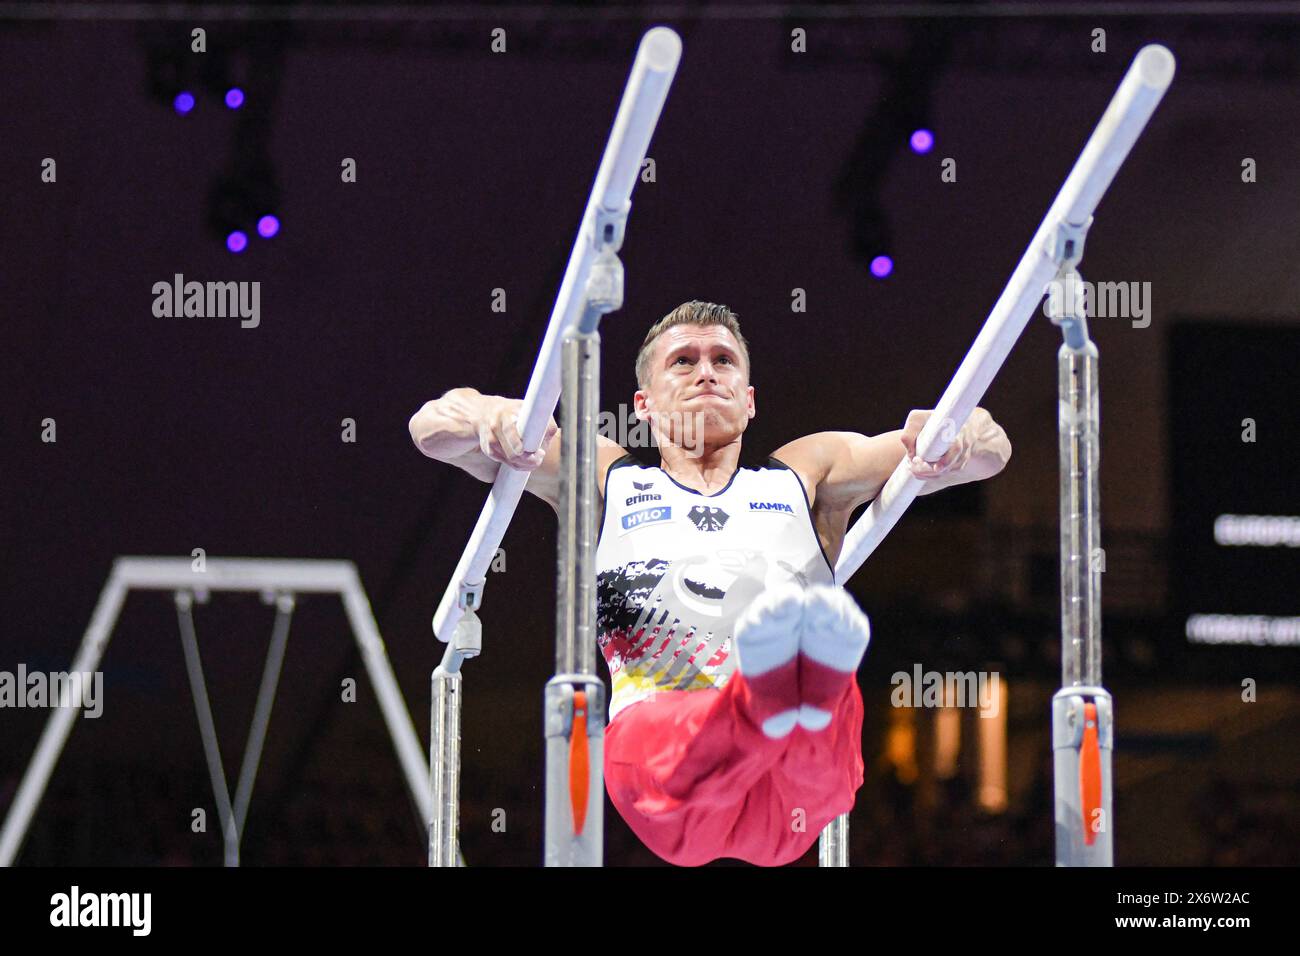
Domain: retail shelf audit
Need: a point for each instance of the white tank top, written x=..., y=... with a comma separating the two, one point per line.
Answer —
x=675, y=567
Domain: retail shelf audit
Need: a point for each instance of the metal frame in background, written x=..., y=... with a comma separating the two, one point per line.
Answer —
x=279, y=580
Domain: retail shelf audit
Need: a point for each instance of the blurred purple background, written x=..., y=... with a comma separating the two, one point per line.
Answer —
x=775, y=171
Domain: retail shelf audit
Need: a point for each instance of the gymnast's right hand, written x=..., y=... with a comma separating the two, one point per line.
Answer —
x=499, y=438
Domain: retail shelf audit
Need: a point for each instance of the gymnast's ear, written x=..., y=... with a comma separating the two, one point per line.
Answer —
x=641, y=404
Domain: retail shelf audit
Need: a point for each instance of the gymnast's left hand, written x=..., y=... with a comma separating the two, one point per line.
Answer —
x=958, y=453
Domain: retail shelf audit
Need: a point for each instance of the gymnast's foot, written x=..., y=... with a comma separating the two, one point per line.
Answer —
x=767, y=649
x=832, y=640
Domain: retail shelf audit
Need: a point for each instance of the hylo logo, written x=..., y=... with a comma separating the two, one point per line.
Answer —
x=645, y=516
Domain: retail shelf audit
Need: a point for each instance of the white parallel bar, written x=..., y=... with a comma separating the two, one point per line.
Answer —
x=638, y=114
x=262, y=709
x=410, y=752
x=1136, y=99
x=59, y=725
x=207, y=727
x=236, y=574
x=224, y=574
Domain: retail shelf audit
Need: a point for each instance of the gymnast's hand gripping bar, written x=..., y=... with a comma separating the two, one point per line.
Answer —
x=601, y=227
x=1067, y=219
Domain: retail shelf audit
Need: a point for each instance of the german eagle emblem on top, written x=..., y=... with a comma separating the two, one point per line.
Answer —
x=707, y=519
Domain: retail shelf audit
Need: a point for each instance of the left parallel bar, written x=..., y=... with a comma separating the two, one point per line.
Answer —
x=607, y=206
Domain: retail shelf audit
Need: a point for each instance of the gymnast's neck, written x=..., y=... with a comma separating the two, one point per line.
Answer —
x=705, y=467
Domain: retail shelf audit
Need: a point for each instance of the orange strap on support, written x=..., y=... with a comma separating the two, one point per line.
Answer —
x=579, y=762
x=1090, y=774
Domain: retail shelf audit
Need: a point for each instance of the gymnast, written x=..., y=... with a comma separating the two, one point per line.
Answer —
x=735, y=718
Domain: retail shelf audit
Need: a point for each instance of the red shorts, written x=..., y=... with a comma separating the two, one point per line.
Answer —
x=696, y=779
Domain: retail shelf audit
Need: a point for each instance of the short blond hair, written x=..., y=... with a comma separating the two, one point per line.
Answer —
x=694, y=312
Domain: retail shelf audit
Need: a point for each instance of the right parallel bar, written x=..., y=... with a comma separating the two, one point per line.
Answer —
x=1082, y=723
x=1136, y=99
x=1083, y=726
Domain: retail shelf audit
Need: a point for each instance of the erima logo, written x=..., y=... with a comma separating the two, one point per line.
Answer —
x=708, y=519
x=638, y=499
x=776, y=506
x=642, y=487
x=645, y=516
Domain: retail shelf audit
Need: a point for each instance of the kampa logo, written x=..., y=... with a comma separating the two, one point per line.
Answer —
x=707, y=518
x=773, y=507
x=639, y=519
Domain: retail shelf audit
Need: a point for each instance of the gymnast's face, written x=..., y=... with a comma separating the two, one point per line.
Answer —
x=698, y=388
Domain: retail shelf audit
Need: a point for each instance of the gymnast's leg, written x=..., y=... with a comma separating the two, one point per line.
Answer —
x=755, y=769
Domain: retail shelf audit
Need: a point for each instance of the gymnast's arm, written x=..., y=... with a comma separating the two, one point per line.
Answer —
x=848, y=469
x=980, y=450
x=478, y=433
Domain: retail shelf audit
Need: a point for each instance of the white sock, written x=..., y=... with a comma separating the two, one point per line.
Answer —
x=835, y=631
x=767, y=632
x=779, y=725
x=813, y=718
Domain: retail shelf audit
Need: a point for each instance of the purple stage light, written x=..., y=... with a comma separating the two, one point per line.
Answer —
x=882, y=266
x=922, y=141
x=268, y=226
x=183, y=103
x=236, y=241
x=234, y=97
